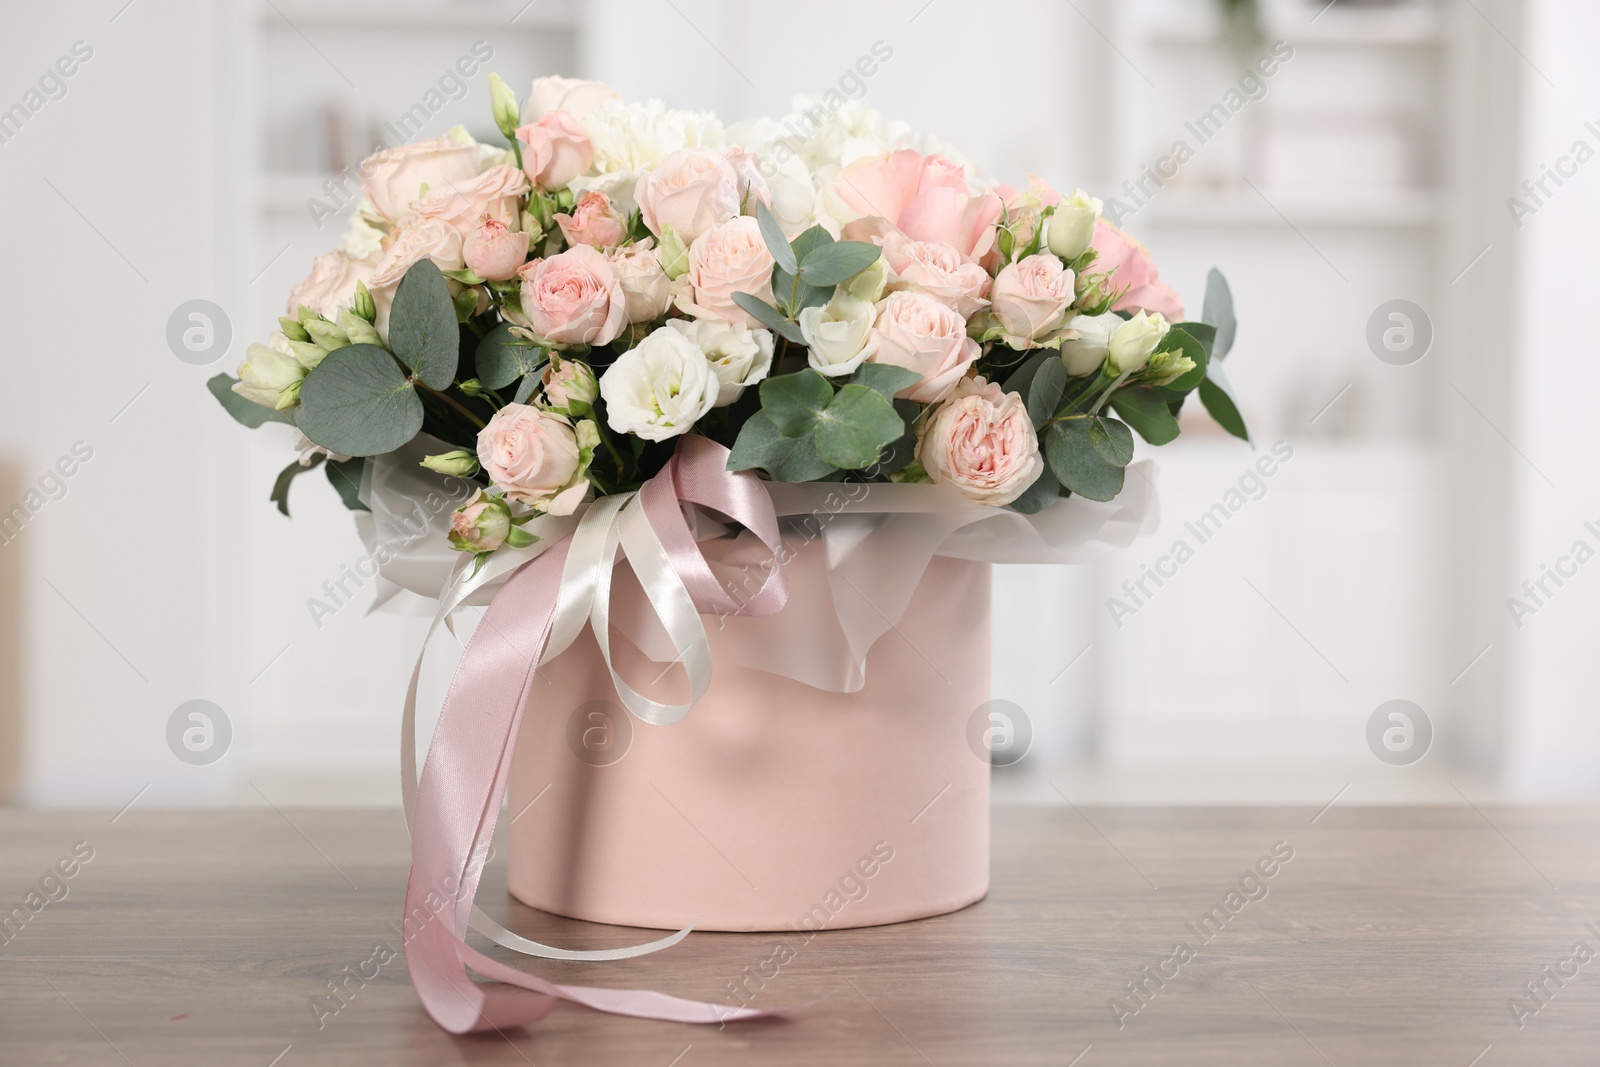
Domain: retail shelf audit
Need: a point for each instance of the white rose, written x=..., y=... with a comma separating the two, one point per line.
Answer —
x=573, y=95
x=659, y=388
x=740, y=357
x=793, y=189
x=1071, y=227
x=1085, y=354
x=1135, y=340
x=836, y=334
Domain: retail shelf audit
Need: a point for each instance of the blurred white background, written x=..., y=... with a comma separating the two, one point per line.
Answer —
x=179, y=159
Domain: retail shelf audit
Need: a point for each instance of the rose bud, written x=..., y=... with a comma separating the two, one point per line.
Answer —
x=494, y=251
x=1071, y=228
x=482, y=524
x=460, y=463
x=1136, y=340
x=570, y=387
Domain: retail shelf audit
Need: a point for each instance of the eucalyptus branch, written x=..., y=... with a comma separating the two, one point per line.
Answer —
x=452, y=401
x=1124, y=376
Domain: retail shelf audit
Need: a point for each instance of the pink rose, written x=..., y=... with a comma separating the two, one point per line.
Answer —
x=497, y=192
x=752, y=185
x=556, y=150
x=331, y=285
x=392, y=180
x=1131, y=268
x=937, y=269
x=495, y=251
x=926, y=198
x=574, y=298
x=481, y=524
x=731, y=258
x=532, y=456
x=691, y=190
x=644, y=283
x=917, y=332
x=594, y=222
x=573, y=95
x=981, y=441
x=1032, y=295
x=414, y=240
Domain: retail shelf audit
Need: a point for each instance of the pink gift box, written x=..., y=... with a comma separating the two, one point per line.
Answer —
x=774, y=805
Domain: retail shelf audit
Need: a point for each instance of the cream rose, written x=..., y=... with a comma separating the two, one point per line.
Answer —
x=495, y=193
x=1085, y=353
x=575, y=95
x=740, y=357
x=691, y=190
x=916, y=331
x=331, y=285
x=574, y=298
x=659, y=388
x=1030, y=298
x=1071, y=227
x=415, y=240
x=533, y=456
x=836, y=334
x=644, y=283
x=271, y=374
x=981, y=441
x=732, y=258
x=937, y=269
x=393, y=180
x=1133, y=342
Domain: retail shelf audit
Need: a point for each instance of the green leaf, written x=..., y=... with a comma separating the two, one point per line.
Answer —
x=1045, y=391
x=280, y=485
x=903, y=451
x=1203, y=332
x=502, y=357
x=794, y=402
x=885, y=378
x=856, y=427
x=345, y=476
x=1218, y=400
x=787, y=459
x=794, y=296
x=777, y=243
x=359, y=402
x=245, y=412
x=525, y=387
x=1022, y=378
x=1112, y=440
x=808, y=241
x=1146, y=412
x=1218, y=312
x=834, y=263
x=1044, y=491
x=1076, y=463
x=769, y=316
x=422, y=326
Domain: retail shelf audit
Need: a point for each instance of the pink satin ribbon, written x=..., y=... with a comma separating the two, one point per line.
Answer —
x=464, y=776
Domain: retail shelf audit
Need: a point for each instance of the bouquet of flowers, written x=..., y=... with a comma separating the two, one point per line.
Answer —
x=830, y=296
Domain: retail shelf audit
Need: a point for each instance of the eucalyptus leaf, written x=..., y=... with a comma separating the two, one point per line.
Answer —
x=787, y=459
x=1112, y=440
x=777, y=243
x=422, y=326
x=359, y=402
x=809, y=240
x=1218, y=400
x=1203, y=332
x=885, y=378
x=794, y=402
x=1218, y=311
x=769, y=316
x=1021, y=379
x=345, y=477
x=280, y=485
x=1147, y=413
x=856, y=427
x=837, y=262
x=526, y=387
x=794, y=296
x=502, y=357
x=1044, y=491
x=1046, y=390
x=1077, y=465
x=245, y=412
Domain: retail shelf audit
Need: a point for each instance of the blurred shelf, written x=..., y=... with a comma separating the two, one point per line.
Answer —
x=1184, y=207
x=1396, y=25
x=498, y=16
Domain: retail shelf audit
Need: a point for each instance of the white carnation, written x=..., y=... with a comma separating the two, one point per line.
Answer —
x=635, y=137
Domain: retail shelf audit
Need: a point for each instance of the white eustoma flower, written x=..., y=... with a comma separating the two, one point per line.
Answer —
x=1136, y=340
x=659, y=388
x=1084, y=354
x=836, y=334
x=740, y=357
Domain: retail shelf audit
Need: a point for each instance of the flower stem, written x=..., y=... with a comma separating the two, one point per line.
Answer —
x=452, y=401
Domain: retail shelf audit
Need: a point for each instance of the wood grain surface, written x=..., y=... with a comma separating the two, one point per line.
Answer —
x=1392, y=936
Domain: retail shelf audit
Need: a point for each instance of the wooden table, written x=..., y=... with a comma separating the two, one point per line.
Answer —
x=1393, y=936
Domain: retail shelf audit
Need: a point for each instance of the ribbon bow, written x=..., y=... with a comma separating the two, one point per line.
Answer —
x=540, y=610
